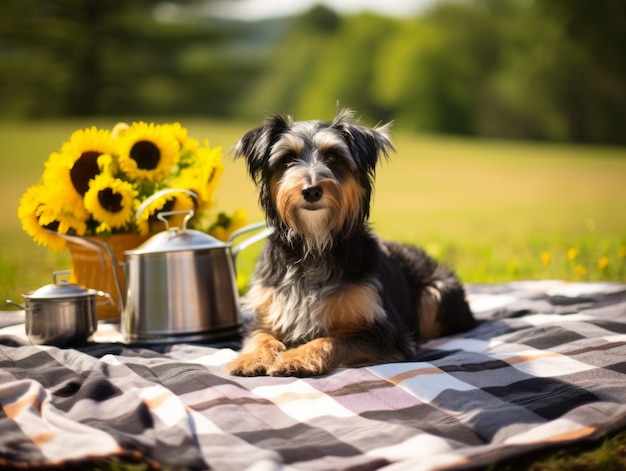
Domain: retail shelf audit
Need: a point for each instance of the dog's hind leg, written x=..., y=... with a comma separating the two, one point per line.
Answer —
x=442, y=307
x=429, y=303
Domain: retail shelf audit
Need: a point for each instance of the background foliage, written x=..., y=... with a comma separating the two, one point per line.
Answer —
x=532, y=69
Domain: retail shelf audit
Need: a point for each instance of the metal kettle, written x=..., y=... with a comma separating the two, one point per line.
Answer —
x=181, y=286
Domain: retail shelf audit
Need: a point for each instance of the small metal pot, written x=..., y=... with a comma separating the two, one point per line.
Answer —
x=180, y=286
x=61, y=314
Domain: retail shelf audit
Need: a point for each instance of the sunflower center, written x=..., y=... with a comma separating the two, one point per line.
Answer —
x=110, y=200
x=84, y=169
x=146, y=154
x=53, y=226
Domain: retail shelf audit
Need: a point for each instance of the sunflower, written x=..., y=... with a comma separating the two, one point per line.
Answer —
x=83, y=150
x=110, y=201
x=37, y=218
x=68, y=173
x=147, y=151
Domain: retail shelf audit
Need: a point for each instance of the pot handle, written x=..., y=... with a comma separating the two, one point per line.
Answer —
x=107, y=296
x=13, y=303
x=55, y=276
x=250, y=240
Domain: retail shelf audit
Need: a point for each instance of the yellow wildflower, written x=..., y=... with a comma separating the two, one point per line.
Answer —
x=603, y=262
x=572, y=254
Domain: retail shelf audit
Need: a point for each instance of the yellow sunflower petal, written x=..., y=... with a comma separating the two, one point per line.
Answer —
x=203, y=176
x=36, y=218
x=179, y=133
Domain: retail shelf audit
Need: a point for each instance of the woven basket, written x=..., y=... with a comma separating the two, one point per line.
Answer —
x=93, y=267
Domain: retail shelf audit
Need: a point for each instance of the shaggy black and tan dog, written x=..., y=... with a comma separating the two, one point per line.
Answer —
x=327, y=292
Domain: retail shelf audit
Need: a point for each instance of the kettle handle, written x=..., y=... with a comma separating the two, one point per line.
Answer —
x=250, y=240
x=150, y=199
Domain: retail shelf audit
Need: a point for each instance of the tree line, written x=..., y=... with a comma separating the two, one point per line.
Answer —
x=529, y=69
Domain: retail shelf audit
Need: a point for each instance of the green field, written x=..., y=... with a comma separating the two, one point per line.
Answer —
x=496, y=210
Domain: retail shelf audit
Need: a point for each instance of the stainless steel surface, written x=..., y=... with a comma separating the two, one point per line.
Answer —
x=182, y=294
x=61, y=322
x=180, y=285
x=61, y=314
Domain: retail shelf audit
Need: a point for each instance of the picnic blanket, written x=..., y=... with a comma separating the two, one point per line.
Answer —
x=545, y=366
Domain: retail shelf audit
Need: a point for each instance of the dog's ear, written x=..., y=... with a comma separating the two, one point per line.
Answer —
x=366, y=144
x=256, y=145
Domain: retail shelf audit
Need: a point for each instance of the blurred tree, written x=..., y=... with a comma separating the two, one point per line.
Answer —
x=539, y=69
x=591, y=88
x=534, y=69
x=84, y=57
x=434, y=73
x=300, y=54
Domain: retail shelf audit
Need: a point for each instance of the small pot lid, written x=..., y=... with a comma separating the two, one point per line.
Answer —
x=59, y=289
x=178, y=240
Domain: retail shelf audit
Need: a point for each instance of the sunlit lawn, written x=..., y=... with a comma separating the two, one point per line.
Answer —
x=496, y=210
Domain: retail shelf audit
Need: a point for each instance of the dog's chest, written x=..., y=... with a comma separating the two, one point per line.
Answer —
x=296, y=311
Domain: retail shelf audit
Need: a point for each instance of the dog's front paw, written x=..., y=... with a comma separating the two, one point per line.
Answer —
x=258, y=355
x=311, y=359
x=248, y=364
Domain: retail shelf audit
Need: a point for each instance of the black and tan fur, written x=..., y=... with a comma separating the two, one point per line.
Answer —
x=327, y=292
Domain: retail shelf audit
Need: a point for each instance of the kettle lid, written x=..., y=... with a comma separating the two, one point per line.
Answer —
x=178, y=240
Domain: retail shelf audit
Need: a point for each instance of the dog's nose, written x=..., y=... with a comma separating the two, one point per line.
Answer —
x=312, y=193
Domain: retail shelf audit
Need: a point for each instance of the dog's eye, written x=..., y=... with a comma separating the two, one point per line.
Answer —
x=330, y=158
x=290, y=159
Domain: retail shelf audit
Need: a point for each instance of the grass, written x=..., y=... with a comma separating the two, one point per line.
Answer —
x=495, y=210
x=609, y=455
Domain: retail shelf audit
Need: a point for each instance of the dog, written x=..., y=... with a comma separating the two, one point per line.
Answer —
x=327, y=292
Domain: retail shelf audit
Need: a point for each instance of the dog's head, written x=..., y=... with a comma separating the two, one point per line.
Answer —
x=314, y=178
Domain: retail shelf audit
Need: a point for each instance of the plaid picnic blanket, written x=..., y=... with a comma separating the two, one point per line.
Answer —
x=547, y=365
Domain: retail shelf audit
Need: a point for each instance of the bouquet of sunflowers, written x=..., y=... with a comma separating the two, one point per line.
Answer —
x=94, y=185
